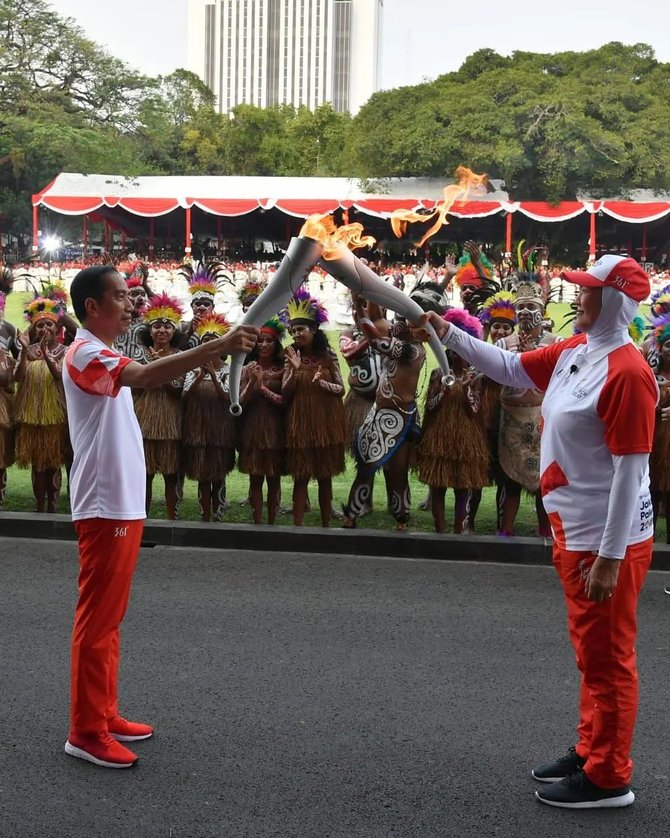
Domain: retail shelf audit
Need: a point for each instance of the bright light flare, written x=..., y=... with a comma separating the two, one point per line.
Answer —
x=51, y=244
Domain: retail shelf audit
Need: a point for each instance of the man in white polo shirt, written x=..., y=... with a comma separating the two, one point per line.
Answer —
x=107, y=487
x=598, y=411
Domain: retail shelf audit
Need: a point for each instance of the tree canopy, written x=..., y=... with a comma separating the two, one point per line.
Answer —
x=550, y=126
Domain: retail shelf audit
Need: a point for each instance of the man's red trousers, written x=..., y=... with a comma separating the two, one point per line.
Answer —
x=108, y=553
x=603, y=635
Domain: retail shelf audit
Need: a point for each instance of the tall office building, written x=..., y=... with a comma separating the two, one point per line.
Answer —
x=296, y=52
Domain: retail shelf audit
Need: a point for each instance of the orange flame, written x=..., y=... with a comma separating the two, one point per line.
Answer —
x=331, y=238
x=467, y=180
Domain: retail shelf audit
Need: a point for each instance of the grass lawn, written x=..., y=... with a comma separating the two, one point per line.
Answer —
x=20, y=498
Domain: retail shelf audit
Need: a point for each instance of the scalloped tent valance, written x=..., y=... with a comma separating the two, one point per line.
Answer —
x=150, y=197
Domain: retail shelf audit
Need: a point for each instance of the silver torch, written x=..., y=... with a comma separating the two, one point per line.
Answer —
x=346, y=267
x=301, y=256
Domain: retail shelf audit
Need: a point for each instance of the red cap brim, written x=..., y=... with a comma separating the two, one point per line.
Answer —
x=582, y=278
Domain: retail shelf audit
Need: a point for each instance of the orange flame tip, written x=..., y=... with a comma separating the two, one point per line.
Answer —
x=322, y=228
x=467, y=181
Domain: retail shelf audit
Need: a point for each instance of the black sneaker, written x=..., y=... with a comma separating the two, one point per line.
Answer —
x=578, y=792
x=553, y=772
x=667, y=589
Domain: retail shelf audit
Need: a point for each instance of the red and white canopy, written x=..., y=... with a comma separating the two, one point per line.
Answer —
x=150, y=197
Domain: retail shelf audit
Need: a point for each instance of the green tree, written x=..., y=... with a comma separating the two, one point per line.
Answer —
x=65, y=104
x=178, y=129
x=551, y=126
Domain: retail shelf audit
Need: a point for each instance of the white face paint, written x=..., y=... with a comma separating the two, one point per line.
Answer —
x=529, y=316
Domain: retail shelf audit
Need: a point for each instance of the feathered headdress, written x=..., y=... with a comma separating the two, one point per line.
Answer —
x=469, y=275
x=526, y=259
x=464, y=321
x=204, y=280
x=6, y=281
x=212, y=324
x=136, y=273
x=660, y=302
x=637, y=328
x=164, y=307
x=275, y=327
x=57, y=292
x=530, y=289
x=499, y=307
x=6, y=285
x=250, y=291
x=302, y=306
x=42, y=308
x=529, y=284
x=661, y=329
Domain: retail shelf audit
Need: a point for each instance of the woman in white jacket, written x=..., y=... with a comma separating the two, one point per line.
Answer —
x=598, y=414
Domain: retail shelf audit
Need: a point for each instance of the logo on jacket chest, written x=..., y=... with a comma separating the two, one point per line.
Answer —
x=580, y=392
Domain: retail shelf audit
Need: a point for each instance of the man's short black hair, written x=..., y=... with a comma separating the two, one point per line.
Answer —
x=89, y=284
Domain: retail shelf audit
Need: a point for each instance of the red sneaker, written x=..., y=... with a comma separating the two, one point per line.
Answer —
x=126, y=731
x=100, y=749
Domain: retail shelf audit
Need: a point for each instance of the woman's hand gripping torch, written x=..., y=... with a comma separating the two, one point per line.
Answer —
x=346, y=267
x=301, y=256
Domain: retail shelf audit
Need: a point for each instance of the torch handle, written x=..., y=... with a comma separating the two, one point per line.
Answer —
x=301, y=256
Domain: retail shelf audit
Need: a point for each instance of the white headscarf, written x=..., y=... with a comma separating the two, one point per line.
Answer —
x=610, y=331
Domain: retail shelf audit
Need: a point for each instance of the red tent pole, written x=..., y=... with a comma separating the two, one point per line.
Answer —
x=151, y=236
x=219, y=233
x=123, y=239
x=187, y=249
x=107, y=237
x=36, y=243
x=84, y=235
x=508, y=234
x=592, y=238
x=644, y=243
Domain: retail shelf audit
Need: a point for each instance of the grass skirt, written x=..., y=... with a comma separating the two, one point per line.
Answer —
x=262, y=438
x=7, y=442
x=207, y=419
x=159, y=413
x=313, y=463
x=208, y=463
x=208, y=434
x=39, y=398
x=453, y=451
x=316, y=429
x=6, y=430
x=42, y=441
x=42, y=447
x=162, y=456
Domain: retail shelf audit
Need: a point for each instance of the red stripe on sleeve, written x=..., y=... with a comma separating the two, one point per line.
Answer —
x=627, y=403
x=98, y=378
x=539, y=364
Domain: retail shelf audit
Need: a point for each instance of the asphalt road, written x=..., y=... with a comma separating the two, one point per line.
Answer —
x=322, y=697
